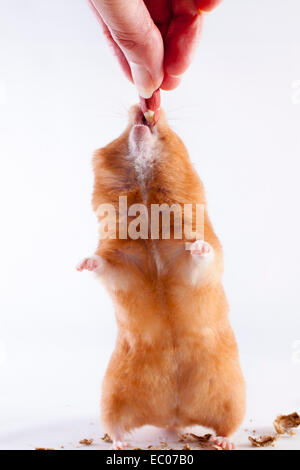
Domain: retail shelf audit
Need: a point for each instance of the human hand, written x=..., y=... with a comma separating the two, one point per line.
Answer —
x=154, y=40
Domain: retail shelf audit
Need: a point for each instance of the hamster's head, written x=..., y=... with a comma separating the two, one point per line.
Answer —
x=142, y=136
x=145, y=158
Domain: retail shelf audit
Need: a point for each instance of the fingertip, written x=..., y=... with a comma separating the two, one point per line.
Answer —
x=143, y=80
x=206, y=5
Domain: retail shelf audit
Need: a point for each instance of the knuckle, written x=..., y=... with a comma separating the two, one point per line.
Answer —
x=124, y=41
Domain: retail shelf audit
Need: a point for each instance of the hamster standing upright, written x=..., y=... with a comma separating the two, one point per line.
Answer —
x=176, y=361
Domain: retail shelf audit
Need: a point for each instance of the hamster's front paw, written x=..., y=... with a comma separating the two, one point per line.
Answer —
x=199, y=248
x=224, y=443
x=92, y=263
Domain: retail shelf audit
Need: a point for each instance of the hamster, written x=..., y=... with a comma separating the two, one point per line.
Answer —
x=175, y=362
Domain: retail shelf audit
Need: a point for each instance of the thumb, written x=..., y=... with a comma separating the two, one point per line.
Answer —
x=135, y=33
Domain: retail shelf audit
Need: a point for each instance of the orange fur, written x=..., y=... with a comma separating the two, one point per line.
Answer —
x=175, y=362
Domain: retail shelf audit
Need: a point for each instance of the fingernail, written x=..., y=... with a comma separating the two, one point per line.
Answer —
x=142, y=80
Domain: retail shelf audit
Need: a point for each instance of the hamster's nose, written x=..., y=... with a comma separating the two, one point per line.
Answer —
x=141, y=134
x=140, y=138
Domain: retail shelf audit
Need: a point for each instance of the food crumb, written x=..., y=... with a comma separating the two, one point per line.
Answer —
x=86, y=442
x=106, y=438
x=163, y=446
x=284, y=423
x=186, y=447
x=195, y=437
x=202, y=441
x=204, y=438
x=263, y=441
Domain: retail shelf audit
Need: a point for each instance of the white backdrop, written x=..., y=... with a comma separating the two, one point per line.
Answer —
x=61, y=97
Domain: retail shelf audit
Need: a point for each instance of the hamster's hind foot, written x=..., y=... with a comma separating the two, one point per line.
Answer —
x=224, y=443
x=118, y=442
x=91, y=263
x=119, y=445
